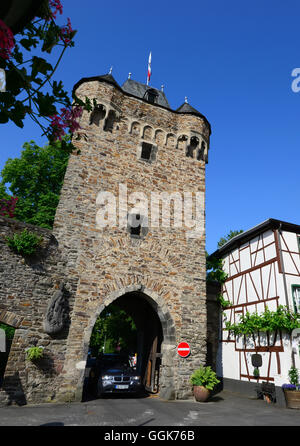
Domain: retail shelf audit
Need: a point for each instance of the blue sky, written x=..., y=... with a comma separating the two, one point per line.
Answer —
x=233, y=60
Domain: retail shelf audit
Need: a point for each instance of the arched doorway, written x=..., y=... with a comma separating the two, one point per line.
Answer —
x=6, y=337
x=146, y=340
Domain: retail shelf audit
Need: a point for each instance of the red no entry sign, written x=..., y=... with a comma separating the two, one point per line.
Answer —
x=183, y=349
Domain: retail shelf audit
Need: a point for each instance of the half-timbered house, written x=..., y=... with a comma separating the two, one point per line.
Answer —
x=263, y=268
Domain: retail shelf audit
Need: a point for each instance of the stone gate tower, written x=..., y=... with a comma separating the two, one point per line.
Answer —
x=134, y=142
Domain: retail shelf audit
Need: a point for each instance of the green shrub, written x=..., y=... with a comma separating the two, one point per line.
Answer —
x=24, y=243
x=9, y=331
x=204, y=376
x=294, y=376
x=34, y=353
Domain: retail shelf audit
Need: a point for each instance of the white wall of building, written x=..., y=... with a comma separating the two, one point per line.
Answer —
x=254, y=282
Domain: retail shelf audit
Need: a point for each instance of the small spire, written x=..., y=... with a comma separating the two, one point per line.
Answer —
x=129, y=75
x=186, y=100
x=162, y=87
x=110, y=70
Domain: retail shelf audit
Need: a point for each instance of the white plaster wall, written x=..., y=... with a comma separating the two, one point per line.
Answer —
x=231, y=362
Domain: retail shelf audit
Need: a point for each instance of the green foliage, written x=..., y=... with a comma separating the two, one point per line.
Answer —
x=268, y=321
x=214, y=268
x=24, y=243
x=204, y=376
x=30, y=88
x=294, y=376
x=113, y=327
x=34, y=353
x=228, y=237
x=9, y=331
x=36, y=179
x=224, y=303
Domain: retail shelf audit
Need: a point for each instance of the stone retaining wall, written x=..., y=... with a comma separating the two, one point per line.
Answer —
x=26, y=287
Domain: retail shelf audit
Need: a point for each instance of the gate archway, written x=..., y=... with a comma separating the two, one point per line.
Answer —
x=155, y=337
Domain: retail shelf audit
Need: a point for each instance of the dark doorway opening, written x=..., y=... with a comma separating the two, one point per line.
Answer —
x=130, y=327
x=7, y=334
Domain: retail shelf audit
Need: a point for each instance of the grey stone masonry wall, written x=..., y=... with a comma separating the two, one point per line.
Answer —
x=26, y=287
x=167, y=265
x=92, y=266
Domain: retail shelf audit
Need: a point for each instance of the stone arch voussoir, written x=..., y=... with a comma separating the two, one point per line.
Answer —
x=10, y=318
x=156, y=301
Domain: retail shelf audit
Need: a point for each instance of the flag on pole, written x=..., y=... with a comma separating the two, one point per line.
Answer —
x=149, y=69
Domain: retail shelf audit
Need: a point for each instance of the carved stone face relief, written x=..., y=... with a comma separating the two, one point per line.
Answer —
x=57, y=312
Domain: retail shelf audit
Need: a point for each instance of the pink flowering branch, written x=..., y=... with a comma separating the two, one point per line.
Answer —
x=67, y=119
x=6, y=40
x=7, y=207
x=30, y=78
x=56, y=7
x=67, y=33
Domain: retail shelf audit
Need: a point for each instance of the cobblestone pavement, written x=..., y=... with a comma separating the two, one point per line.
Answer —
x=226, y=409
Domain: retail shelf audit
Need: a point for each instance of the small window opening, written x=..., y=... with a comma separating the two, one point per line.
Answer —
x=151, y=96
x=97, y=115
x=110, y=120
x=6, y=337
x=296, y=298
x=192, y=147
x=146, y=151
x=135, y=224
x=200, y=154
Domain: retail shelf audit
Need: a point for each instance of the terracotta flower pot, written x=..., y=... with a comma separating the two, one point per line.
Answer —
x=292, y=398
x=201, y=394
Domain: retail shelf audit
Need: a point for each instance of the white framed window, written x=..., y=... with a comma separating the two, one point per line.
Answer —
x=296, y=297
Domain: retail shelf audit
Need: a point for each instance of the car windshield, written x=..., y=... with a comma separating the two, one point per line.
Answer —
x=114, y=362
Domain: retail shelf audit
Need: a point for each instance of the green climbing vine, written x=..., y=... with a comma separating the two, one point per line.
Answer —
x=268, y=321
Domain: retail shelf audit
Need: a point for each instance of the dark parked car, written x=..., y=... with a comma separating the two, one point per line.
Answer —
x=112, y=373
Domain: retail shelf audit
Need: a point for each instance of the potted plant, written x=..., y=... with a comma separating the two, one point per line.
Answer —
x=292, y=390
x=203, y=380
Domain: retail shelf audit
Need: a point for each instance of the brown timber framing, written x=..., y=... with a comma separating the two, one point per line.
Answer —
x=249, y=270
x=278, y=251
x=247, y=304
x=290, y=253
x=261, y=289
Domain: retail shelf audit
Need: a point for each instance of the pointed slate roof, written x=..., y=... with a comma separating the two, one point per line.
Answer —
x=187, y=108
x=138, y=89
x=104, y=78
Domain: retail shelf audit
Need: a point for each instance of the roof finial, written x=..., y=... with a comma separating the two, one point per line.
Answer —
x=129, y=75
x=162, y=87
x=186, y=100
x=110, y=70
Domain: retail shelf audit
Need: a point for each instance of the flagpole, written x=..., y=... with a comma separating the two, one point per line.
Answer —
x=149, y=69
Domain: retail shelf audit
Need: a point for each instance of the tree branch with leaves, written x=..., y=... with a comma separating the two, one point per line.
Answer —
x=30, y=87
